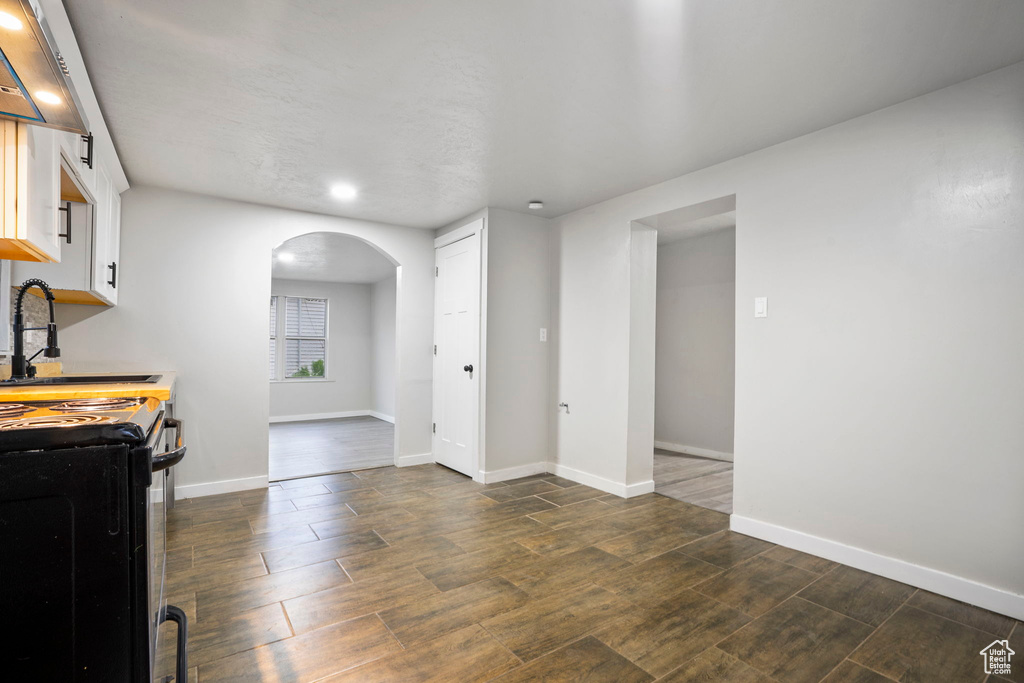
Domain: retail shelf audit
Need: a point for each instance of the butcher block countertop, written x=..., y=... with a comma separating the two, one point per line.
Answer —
x=161, y=390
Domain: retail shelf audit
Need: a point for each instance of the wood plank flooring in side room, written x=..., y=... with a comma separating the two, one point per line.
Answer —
x=420, y=574
x=691, y=479
x=313, y=447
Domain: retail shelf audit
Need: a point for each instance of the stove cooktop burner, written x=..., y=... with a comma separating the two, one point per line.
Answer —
x=9, y=410
x=96, y=404
x=55, y=421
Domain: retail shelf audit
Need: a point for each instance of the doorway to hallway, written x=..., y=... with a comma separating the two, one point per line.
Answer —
x=695, y=342
x=332, y=357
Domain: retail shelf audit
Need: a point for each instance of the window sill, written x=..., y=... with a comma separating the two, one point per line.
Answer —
x=301, y=380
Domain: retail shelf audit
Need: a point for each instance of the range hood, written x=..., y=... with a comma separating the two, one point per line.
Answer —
x=35, y=86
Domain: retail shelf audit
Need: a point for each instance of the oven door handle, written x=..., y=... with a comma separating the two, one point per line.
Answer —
x=172, y=457
x=177, y=615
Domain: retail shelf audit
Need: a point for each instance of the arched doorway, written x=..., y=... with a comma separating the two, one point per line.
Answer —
x=331, y=363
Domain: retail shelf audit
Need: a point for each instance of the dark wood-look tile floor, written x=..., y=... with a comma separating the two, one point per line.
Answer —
x=692, y=479
x=314, y=447
x=419, y=574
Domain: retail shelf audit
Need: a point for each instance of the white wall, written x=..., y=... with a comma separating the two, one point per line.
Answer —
x=592, y=359
x=696, y=343
x=517, y=403
x=195, y=276
x=351, y=348
x=518, y=306
x=382, y=322
x=878, y=408
x=643, y=263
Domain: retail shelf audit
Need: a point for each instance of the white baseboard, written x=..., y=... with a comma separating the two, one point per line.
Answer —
x=600, y=483
x=410, y=460
x=516, y=472
x=214, y=487
x=693, y=450
x=321, y=416
x=381, y=416
x=958, y=588
x=633, y=490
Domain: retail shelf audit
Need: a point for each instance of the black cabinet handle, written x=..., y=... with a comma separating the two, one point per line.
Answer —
x=66, y=209
x=175, y=614
x=113, y=275
x=172, y=457
x=87, y=159
x=467, y=368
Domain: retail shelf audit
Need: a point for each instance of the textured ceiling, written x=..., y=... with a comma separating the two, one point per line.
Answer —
x=331, y=257
x=436, y=108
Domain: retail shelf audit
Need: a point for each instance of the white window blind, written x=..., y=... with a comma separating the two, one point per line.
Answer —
x=273, y=337
x=305, y=317
x=302, y=322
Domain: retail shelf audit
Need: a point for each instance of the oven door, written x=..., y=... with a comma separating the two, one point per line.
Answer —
x=167, y=659
x=157, y=535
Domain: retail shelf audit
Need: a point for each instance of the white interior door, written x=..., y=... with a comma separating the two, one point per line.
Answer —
x=457, y=356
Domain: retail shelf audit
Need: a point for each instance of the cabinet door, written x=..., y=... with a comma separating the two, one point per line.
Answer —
x=114, y=245
x=38, y=190
x=106, y=236
x=75, y=149
x=9, y=172
x=74, y=272
x=31, y=171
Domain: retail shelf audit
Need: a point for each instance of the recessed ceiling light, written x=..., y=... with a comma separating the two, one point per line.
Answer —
x=344, y=191
x=47, y=97
x=286, y=257
x=9, y=21
x=536, y=204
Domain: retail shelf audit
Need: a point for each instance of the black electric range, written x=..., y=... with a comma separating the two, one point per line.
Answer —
x=43, y=425
x=83, y=541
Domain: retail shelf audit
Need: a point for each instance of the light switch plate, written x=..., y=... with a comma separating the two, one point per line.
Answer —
x=761, y=307
x=543, y=334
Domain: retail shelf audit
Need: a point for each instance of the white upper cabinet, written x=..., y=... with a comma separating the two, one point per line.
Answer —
x=89, y=233
x=79, y=158
x=107, y=232
x=71, y=276
x=31, y=188
x=60, y=203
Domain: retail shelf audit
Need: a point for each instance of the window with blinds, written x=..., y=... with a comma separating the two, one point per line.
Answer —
x=273, y=337
x=298, y=344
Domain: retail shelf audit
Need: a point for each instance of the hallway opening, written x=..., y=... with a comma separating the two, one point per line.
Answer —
x=695, y=347
x=332, y=357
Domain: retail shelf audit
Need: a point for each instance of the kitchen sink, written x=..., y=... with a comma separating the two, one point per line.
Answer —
x=85, y=379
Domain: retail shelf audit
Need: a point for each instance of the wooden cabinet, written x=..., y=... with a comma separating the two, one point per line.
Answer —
x=31, y=180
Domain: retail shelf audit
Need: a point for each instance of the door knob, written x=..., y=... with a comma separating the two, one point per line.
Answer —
x=467, y=368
